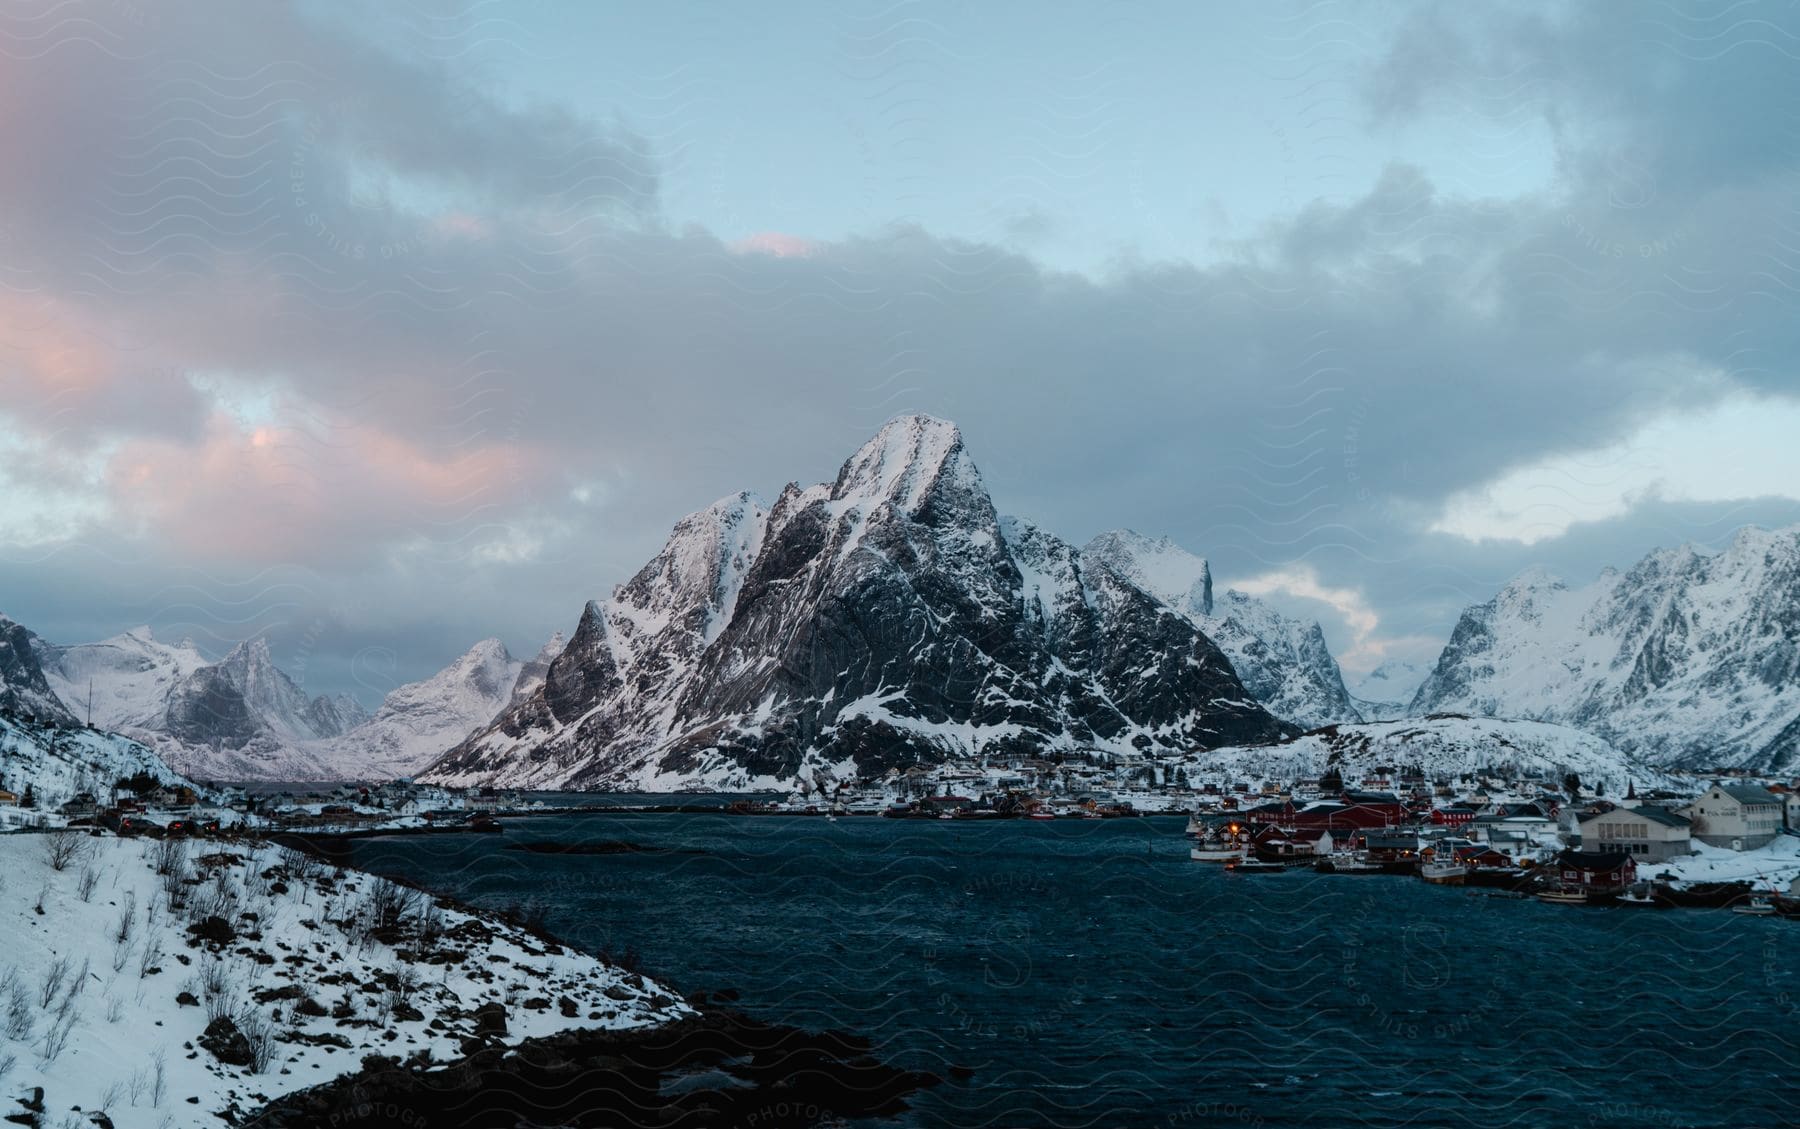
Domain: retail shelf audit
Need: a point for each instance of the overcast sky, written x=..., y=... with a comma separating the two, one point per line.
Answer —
x=382, y=334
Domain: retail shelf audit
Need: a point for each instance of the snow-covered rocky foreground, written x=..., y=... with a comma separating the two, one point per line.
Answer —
x=165, y=982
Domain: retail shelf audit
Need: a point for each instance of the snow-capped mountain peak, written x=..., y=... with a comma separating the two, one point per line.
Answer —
x=888, y=618
x=902, y=463
x=1283, y=662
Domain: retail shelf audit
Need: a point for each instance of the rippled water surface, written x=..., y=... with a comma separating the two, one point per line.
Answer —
x=1091, y=975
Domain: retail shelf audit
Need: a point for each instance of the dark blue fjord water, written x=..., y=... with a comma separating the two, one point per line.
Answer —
x=1091, y=975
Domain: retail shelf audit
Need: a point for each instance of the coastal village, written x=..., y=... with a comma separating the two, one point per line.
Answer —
x=1730, y=840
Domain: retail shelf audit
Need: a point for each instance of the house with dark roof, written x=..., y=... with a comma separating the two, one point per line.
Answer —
x=1740, y=816
x=1597, y=872
x=1648, y=834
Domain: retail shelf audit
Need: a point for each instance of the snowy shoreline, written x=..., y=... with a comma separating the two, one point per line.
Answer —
x=163, y=982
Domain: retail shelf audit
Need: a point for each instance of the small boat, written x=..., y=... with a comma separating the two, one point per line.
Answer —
x=1348, y=864
x=1444, y=872
x=1756, y=907
x=1253, y=866
x=1563, y=897
x=1047, y=816
x=1215, y=852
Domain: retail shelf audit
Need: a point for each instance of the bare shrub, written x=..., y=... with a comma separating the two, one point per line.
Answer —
x=127, y=912
x=259, y=1032
x=84, y=886
x=64, y=846
x=54, y=978
x=17, y=1001
x=217, y=993
x=56, y=1036
x=169, y=856
x=137, y=1084
x=159, y=1077
x=148, y=958
x=431, y=924
x=389, y=901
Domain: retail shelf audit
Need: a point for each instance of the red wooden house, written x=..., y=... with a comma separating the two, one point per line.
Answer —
x=1596, y=871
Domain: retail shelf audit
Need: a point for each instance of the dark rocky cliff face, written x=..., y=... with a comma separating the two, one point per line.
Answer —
x=889, y=618
x=23, y=688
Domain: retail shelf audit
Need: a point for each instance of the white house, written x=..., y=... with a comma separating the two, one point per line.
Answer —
x=1649, y=834
x=1740, y=816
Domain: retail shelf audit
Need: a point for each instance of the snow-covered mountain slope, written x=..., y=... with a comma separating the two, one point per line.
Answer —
x=243, y=718
x=130, y=676
x=188, y=987
x=1388, y=690
x=24, y=691
x=57, y=761
x=886, y=618
x=1283, y=662
x=532, y=674
x=1445, y=745
x=418, y=722
x=1687, y=659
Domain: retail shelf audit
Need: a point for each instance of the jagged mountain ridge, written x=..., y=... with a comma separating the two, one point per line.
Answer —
x=420, y=720
x=1283, y=662
x=174, y=697
x=243, y=718
x=1687, y=659
x=886, y=618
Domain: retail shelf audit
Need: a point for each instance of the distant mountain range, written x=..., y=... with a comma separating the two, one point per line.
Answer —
x=1687, y=659
x=1388, y=690
x=893, y=617
x=242, y=718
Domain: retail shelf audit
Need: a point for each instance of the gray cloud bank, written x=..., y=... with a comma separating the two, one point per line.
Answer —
x=310, y=334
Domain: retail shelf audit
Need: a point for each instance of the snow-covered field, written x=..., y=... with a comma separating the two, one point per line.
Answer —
x=111, y=972
x=1772, y=867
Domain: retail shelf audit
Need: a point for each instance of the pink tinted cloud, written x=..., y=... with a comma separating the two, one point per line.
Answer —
x=273, y=494
x=778, y=243
x=463, y=225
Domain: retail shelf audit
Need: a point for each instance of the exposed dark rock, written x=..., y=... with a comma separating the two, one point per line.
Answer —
x=225, y=1042
x=767, y=1076
x=490, y=1019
